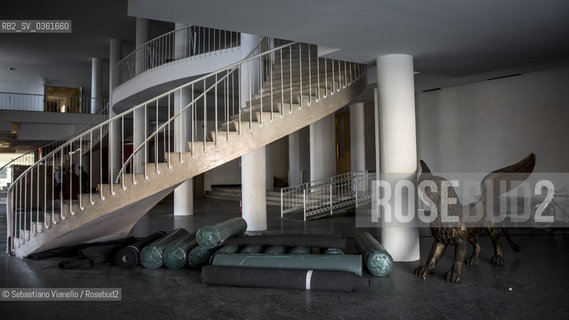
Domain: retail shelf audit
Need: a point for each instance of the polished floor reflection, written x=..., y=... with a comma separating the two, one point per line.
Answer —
x=533, y=283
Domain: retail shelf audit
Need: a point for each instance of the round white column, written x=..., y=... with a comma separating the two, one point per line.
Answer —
x=253, y=189
x=95, y=85
x=357, y=137
x=184, y=193
x=323, y=148
x=398, y=150
x=142, y=36
x=253, y=164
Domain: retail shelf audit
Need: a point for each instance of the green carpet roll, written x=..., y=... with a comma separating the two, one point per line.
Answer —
x=299, y=250
x=332, y=251
x=210, y=237
x=198, y=257
x=377, y=260
x=275, y=250
x=252, y=248
x=151, y=255
x=348, y=263
x=176, y=255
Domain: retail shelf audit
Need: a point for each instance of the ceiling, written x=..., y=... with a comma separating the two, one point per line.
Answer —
x=446, y=37
x=93, y=24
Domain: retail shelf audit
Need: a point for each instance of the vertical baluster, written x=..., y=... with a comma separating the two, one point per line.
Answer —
x=325, y=77
x=260, y=91
x=239, y=95
x=145, y=156
x=215, y=109
x=300, y=70
x=270, y=66
x=169, y=133
x=156, y=148
x=250, y=99
x=80, y=173
x=290, y=75
x=44, y=195
x=122, y=151
x=204, y=115
x=20, y=211
x=91, y=167
x=37, y=224
x=193, y=120
x=333, y=79
x=53, y=189
x=309, y=77
x=318, y=77
x=282, y=83
x=226, y=118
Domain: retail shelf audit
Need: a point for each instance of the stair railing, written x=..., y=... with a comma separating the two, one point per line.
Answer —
x=326, y=195
x=175, y=45
x=193, y=118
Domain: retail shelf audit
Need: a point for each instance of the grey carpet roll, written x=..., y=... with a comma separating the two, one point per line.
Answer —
x=282, y=278
x=299, y=250
x=377, y=260
x=275, y=250
x=210, y=237
x=198, y=257
x=332, y=251
x=347, y=263
x=292, y=240
x=228, y=249
x=252, y=248
x=176, y=255
x=151, y=255
x=129, y=257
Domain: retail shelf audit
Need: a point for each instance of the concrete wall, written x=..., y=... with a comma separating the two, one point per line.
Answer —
x=482, y=126
x=279, y=158
x=228, y=173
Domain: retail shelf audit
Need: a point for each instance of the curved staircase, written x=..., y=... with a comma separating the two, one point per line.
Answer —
x=187, y=131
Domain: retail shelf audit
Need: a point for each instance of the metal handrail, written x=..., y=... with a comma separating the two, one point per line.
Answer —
x=38, y=102
x=327, y=195
x=271, y=79
x=164, y=49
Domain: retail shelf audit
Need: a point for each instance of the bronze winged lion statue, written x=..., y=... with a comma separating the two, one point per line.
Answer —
x=460, y=233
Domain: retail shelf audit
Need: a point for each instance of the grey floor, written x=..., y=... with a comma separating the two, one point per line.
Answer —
x=532, y=284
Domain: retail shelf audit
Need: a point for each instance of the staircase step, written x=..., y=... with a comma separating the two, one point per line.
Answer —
x=224, y=136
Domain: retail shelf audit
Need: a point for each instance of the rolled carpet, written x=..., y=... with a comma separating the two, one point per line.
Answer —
x=129, y=257
x=176, y=255
x=299, y=250
x=292, y=240
x=348, y=263
x=151, y=255
x=332, y=251
x=282, y=278
x=275, y=250
x=210, y=237
x=377, y=260
x=198, y=257
x=252, y=248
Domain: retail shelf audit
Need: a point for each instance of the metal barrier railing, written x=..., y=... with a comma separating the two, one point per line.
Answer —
x=50, y=103
x=175, y=45
x=327, y=195
x=193, y=118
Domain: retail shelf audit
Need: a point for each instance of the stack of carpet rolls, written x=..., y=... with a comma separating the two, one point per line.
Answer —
x=228, y=257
